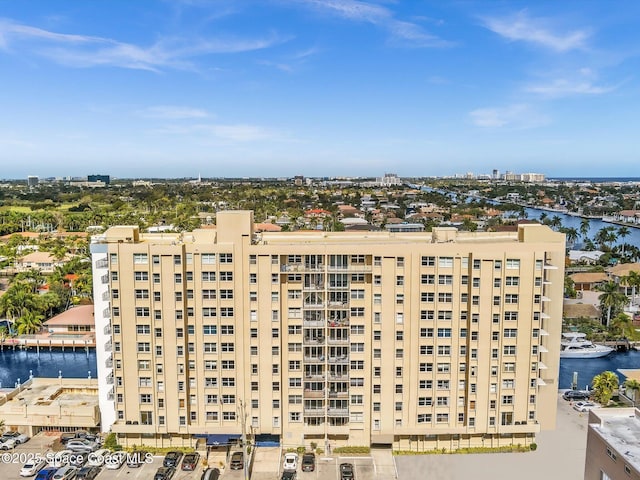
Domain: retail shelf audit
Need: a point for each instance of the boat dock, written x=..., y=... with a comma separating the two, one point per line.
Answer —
x=621, y=345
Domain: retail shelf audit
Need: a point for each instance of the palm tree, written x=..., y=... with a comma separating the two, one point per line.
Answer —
x=555, y=222
x=611, y=299
x=604, y=385
x=584, y=227
x=631, y=388
x=29, y=323
x=623, y=232
x=632, y=279
x=571, y=233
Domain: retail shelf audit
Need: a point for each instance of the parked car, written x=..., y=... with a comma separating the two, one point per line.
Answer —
x=290, y=462
x=17, y=436
x=584, y=406
x=571, y=395
x=8, y=444
x=88, y=473
x=190, y=461
x=97, y=458
x=136, y=459
x=78, y=459
x=65, y=473
x=164, y=473
x=172, y=459
x=66, y=436
x=237, y=461
x=210, y=474
x=32, y=467
x=81, y=445
x=46, y=474
x=289, y=475
x=114, y=460
x=60, y=459
x=346, y=471
x=308, y=462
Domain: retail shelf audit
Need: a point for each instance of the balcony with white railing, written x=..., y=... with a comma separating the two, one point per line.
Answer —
x=314, y=412
x=106, y=313
x=108, y=346
x=106, y=296
x=107, y=330
x=104, y=279
x=314, y=358
x=108, y=362
x=338, y=412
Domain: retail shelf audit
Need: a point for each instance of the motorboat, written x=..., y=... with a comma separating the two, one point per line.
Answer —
x=576, y=345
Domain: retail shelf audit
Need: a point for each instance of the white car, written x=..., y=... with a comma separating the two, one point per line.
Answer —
x=60, y=459
x=290, y=463
x=9, y=444
x=114, y=460
x=584, y=406
x=32, y=467
x=17, y=436
x=96, y=459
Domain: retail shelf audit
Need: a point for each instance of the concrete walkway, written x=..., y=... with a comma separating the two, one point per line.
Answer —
x=560, y=455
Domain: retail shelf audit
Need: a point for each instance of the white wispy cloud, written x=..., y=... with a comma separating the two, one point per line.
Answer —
x=562, y=87
x=380, y=16
x=172, y=112
x=84, y=51
x=517, y=116
x=522, y=27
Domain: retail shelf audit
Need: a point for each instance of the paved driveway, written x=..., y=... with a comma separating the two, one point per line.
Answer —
x=560, y=455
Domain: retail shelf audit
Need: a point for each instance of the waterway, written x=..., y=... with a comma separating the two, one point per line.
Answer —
x=570, y=221
x=19, y=364
x=589, y=368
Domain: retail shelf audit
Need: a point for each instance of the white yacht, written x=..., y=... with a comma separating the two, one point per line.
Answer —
x=576, y=345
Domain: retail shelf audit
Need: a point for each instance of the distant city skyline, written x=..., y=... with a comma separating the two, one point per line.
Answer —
x=277, y=88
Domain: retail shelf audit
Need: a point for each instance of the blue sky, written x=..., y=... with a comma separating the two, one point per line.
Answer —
x=179, y=88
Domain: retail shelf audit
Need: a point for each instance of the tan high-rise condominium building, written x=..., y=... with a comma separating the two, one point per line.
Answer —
x=441, y=340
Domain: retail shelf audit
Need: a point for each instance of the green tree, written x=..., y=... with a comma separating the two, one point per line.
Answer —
x=611, y=300
x=632, y=279
x=30, y=322
x=631, y=388
x=621, y=326
x=604, y=385
x=584, y=227
x=622, y=233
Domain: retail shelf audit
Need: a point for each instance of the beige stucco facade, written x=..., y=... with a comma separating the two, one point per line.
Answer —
x=418, y=340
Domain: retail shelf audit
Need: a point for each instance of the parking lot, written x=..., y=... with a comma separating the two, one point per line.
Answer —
x=267, y=464
x=11, y=463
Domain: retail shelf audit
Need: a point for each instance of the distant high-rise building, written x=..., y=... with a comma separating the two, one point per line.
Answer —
x=99, y=178
x=419, y=341
x=496, y=174
x=32, y=180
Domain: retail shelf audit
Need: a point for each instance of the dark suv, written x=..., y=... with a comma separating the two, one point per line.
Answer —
x=346, y=471
x=308, y=462
x=172, y=459
x=576, y=395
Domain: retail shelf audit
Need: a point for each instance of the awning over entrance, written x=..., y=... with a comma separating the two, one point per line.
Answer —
x=266, y=440
x=219, y=439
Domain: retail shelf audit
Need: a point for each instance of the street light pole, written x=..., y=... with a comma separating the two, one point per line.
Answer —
x=243, y=419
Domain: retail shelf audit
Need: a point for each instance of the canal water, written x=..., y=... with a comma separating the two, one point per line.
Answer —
x=570, y=221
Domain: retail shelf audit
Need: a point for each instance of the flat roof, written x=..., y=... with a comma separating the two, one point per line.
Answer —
x=620, y=428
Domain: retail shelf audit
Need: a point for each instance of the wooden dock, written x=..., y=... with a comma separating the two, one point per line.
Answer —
x=621, y=345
